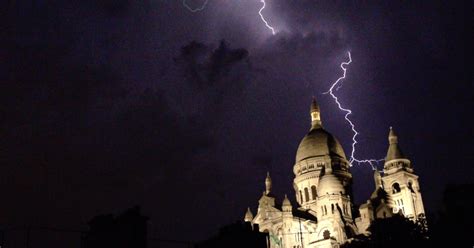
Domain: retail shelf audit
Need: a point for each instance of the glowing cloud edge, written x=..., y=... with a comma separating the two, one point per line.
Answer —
x=196, y=9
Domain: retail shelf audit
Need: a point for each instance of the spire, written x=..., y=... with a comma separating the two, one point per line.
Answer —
x=248, y=216
x=286, y=201
x=286, y=205
x=394, y=151
x=314, y=105
x=268, y=183
x=315, y=114
x=392, y=137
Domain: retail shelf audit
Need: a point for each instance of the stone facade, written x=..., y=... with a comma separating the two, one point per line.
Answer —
x=323, y=193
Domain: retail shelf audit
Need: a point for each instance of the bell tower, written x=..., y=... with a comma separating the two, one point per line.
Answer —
x=400, y=182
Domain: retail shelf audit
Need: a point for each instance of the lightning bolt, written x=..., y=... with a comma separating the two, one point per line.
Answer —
x=203, y=6
x=346, y=116
x=263, y=18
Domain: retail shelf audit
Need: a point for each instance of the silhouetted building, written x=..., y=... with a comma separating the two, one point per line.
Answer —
x=237, y=235
x=127, y=230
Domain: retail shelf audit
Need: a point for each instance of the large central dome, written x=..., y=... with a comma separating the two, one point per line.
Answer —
x=318, y=142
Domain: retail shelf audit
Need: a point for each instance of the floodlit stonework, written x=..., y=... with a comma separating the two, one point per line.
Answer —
x=324, y=215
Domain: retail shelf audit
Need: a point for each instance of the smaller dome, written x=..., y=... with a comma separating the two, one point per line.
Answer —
x=330, y=184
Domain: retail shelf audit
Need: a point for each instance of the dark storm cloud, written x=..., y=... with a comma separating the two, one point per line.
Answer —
x=309, y=16
x=114, y=7
x=82, y=129
x=206, y=66
x=216, y=76
x=108, y=130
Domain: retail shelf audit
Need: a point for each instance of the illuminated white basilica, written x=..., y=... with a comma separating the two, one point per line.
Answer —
x=324, y=214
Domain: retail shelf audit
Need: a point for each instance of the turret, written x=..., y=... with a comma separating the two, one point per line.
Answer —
x=394, y=151
x=248, y=216
x=268, y=184
x=395, y=160
x=267, y=198
x=400, y=182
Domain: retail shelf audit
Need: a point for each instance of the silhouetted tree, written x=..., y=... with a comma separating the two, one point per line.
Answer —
x=396, y=231
x=128, y=230
x=237, y=235
x=455, y=224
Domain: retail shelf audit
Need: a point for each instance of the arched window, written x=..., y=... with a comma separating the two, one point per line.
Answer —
x=395, y=188
x=410, y=186
x=306, y=194
x=326, y=234
x=313, y=192
x=301, y=197
x=280, y=234
x=325, y=210
x=332, y=208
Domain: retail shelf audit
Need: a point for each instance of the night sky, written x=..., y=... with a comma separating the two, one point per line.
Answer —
x=109, y=104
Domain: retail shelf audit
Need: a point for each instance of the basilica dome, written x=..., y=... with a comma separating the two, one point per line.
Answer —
x=330, y=184
x=319, y=142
